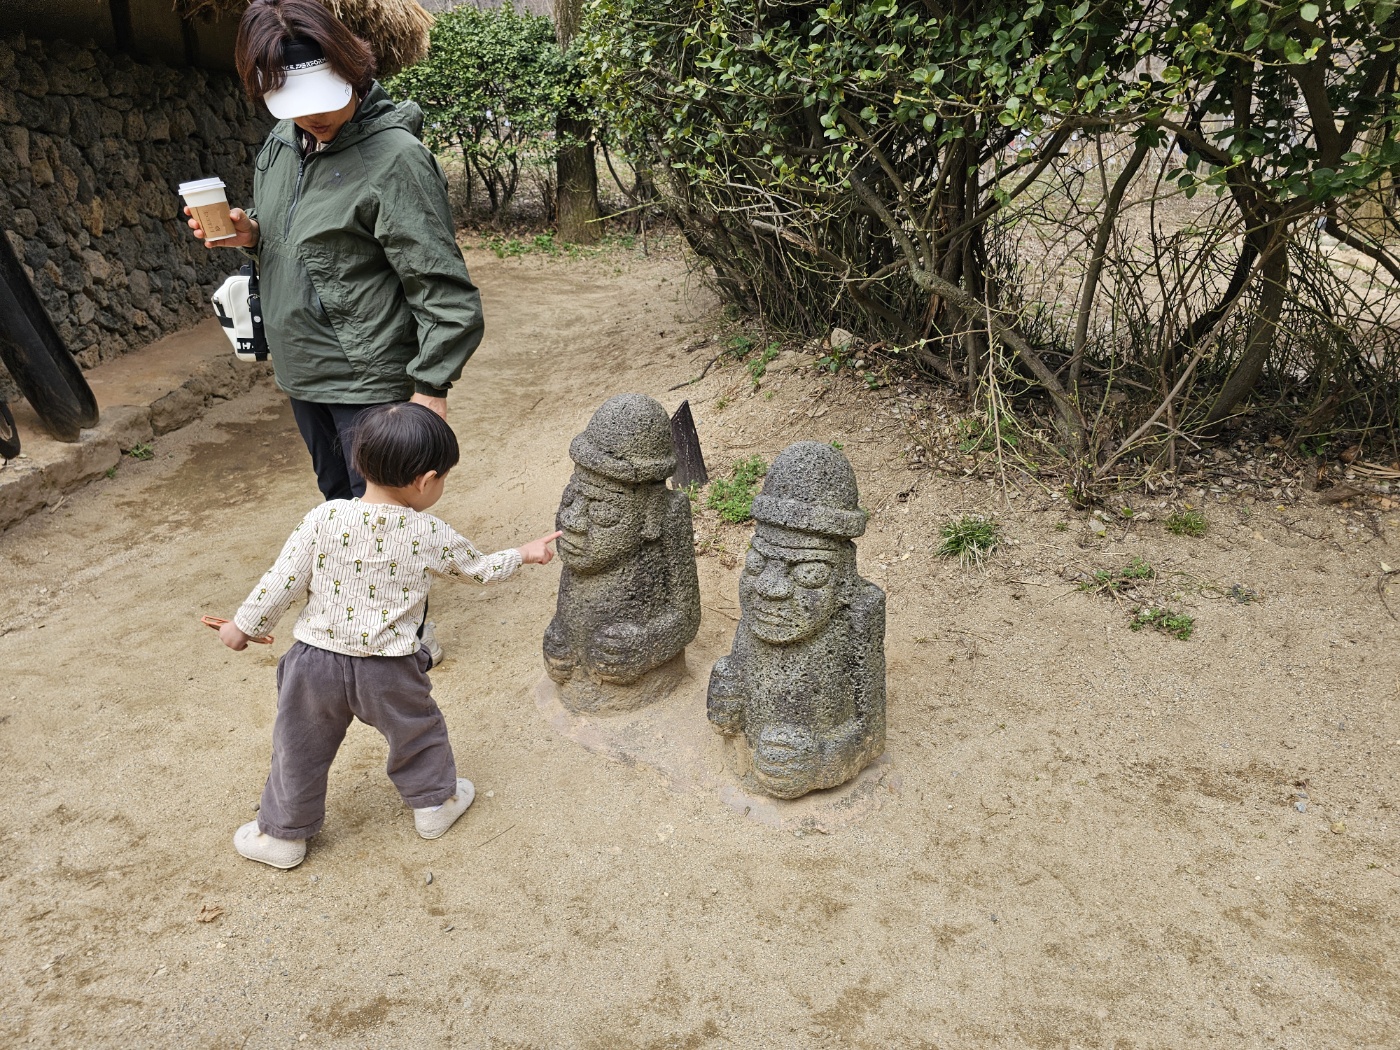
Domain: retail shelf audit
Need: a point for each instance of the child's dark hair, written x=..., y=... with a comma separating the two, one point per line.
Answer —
x=394, y=444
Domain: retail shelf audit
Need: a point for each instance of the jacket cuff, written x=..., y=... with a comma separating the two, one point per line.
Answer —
x=420, y=387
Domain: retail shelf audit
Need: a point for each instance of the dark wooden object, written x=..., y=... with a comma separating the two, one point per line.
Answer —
x=40, y=364
x=690, y=461
x=9, y=436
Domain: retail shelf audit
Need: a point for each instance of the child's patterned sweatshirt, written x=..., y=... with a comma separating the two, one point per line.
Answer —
x=368, y=567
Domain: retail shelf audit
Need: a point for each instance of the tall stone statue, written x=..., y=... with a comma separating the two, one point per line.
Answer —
x=805, y=681
x=629, y=596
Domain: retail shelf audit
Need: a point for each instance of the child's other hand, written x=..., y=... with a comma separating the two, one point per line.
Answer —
x=232, y=637
x=537, y=552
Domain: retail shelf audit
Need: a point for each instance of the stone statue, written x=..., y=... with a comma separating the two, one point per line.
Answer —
x=629, y=596
x=805, y=681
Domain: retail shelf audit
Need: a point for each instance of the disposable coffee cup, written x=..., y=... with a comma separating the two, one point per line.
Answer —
x=209, y=205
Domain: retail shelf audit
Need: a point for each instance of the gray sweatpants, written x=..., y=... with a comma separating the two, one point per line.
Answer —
x=318, y=693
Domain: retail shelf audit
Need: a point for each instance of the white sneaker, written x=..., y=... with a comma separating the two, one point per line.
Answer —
x=430, y=640
x=279, y=853
x=433, y=823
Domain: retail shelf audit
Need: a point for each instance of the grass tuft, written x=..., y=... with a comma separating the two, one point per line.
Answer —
x=970, y=539
x=1186, y=523
x=733, y=497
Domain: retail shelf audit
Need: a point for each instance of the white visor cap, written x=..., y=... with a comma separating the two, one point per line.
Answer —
x=311, y=87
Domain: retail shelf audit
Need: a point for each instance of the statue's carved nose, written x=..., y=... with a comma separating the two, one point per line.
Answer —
x=773, y=582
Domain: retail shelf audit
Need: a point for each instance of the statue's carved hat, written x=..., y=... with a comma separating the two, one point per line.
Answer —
x=629, y=440
x=811, y=488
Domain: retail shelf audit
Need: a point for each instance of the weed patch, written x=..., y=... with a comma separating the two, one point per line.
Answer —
x=758, y=367
x=1113, y=581
x=1186, y=523
x=1167, y=621
x=970, y=539
x=733, y=497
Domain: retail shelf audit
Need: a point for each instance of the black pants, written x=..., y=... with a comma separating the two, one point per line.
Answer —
x=328, y=431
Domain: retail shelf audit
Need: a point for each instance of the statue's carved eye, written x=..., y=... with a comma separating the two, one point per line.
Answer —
x=603, y=514
x=754, y=562
x=811, y=573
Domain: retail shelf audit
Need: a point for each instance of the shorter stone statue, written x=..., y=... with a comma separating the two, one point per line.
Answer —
x=805, y=681
x=629, y=596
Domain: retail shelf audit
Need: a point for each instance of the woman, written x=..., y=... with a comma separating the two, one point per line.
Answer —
x=365, y=296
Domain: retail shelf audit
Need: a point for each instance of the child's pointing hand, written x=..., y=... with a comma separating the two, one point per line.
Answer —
x=537, y=552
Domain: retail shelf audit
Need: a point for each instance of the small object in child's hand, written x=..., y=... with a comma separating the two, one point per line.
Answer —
x=215, y=622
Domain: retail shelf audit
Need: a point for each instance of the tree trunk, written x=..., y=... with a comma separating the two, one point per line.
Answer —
x=1262, y=331
x=576, y=188
x=577, y=183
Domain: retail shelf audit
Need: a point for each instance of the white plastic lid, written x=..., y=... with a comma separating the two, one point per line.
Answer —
x=200, y=185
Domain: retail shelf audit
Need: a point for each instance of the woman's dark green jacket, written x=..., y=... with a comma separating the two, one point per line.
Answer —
x=365, y=295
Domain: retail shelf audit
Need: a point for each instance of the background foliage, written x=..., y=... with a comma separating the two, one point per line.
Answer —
x=491, y=89
x=1111, y=210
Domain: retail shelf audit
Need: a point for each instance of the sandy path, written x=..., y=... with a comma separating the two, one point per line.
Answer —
x=1096, y=843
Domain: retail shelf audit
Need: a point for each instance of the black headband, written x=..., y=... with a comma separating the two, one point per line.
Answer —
x=301, y=51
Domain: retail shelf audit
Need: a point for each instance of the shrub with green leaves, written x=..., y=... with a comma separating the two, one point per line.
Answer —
x=895, y=167
x=490, y=89
x=733, y=497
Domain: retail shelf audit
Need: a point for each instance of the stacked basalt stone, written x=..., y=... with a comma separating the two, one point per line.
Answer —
x=92, y=149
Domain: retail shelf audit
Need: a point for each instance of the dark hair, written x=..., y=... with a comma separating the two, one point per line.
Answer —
x=267, y=24
x=394, y=444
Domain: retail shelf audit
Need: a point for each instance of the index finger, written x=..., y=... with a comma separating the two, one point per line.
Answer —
x=553, y=536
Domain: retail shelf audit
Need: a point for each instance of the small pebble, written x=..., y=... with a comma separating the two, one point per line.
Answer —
x=490, y=794
x=428, y=879
x=1338, y=828
x=1301, y=807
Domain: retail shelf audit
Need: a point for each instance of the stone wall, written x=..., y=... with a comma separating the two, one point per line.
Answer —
x=93, y=147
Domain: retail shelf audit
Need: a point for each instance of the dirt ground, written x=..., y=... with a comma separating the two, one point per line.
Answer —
x=1103, y=838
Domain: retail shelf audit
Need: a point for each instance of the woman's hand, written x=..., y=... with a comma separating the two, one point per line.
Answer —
x=437, y=404
x=537, y=552
x=245, y=230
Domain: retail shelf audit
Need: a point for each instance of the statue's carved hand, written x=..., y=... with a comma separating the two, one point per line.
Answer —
x=724, y=703
x=558, y=661
x=615, y=652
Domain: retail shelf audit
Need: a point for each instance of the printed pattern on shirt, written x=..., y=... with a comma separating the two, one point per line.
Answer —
x=366, y=569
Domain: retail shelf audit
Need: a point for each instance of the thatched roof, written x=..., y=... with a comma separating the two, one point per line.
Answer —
x=397, y=30
x=535, y=7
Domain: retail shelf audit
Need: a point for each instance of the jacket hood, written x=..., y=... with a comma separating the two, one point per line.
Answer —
x=378, y=112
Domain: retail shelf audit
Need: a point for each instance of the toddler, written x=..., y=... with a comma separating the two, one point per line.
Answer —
x=366, y=564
